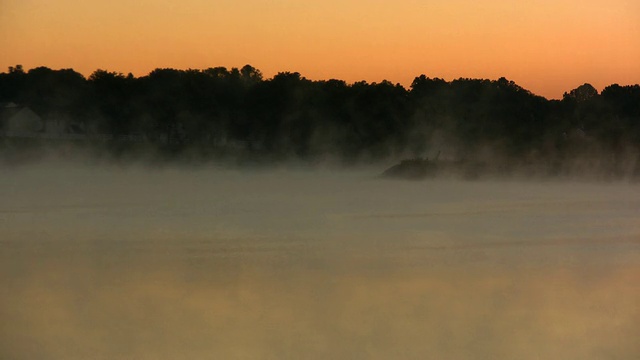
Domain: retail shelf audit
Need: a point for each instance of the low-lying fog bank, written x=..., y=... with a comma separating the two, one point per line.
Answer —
x=486, y=162
x=136, y=262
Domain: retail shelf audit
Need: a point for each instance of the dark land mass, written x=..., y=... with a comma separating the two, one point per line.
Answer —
x=413, y=169
x=219, y=114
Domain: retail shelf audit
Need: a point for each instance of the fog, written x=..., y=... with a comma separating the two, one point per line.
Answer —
x=130, y=262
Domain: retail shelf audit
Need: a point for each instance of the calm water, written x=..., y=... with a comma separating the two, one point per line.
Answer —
x=132, y=263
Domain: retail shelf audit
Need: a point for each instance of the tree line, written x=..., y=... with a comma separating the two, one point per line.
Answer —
x=218, y=110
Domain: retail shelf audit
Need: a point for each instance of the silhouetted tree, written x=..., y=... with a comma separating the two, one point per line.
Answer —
x=582, y=93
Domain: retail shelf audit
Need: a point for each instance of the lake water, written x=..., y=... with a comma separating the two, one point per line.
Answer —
x=136, y=263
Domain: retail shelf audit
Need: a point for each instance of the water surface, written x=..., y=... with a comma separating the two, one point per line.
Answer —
x=137, y=263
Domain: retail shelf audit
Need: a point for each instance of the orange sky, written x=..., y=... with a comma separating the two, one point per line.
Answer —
x=546, y=46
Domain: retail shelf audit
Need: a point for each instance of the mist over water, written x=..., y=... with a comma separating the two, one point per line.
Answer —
x=107, y=262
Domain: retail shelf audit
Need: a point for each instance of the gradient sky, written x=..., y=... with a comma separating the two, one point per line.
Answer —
x=546, y=46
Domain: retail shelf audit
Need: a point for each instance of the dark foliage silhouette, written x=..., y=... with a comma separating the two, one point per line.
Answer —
x=236, y=112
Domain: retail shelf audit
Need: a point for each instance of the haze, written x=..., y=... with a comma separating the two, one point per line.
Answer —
x=115, y=262
x=548, y=47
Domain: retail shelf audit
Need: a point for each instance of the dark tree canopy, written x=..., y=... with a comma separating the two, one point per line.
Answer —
x=219, y=111
x=582, y=93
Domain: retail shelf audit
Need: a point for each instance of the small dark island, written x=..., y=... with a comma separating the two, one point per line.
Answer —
x=412, y=169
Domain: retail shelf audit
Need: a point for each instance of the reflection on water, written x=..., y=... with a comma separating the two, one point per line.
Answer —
x=217, y=264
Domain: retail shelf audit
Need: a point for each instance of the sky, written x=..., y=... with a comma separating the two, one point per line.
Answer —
x=546, y=46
